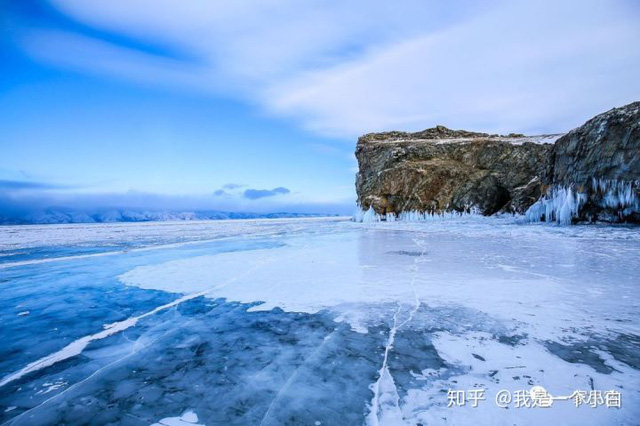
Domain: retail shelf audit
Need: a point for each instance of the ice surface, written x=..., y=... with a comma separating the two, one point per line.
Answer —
x=329, y=322
x=21, y=245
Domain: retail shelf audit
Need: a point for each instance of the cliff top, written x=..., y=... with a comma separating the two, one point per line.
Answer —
x=442, y=134
x=438, y=132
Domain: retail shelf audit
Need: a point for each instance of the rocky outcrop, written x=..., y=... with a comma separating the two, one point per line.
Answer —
x=439, y=170
x=591, y=173
x=595, y=171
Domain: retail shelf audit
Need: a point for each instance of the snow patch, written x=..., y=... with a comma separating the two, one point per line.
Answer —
x=189, y=418
x=512, y=368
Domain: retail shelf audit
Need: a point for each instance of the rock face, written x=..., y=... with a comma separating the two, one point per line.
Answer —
x=605, y=147
x=591, y=173
x=440, y=170
x=595, y=171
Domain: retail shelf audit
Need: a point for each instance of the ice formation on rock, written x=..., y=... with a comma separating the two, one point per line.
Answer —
x=560, y=205
x=563, y=204
x=618, y=195
x=367, y=216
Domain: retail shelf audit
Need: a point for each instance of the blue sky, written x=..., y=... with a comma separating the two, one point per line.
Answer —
x=256, y=106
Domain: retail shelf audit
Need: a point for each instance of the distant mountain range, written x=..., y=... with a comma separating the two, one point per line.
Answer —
x=50, y=216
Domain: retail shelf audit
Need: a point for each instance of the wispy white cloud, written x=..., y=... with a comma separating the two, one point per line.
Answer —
x=87, y=54
x=536, y=66
x=346, y=68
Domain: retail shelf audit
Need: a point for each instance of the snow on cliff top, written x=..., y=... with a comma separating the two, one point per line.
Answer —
x=442, y=134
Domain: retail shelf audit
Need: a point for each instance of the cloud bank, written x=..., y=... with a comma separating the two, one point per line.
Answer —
x=19, y=185
x=40, y=202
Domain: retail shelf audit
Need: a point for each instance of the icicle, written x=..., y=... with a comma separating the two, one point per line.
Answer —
x=417, y=216
x=562, y=204
x=618, y=195
x=367, y=216
x=411, y=215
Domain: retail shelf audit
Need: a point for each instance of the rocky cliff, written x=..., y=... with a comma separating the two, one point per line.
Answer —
x=595, y=171
x=591, y=173
x=440, y=170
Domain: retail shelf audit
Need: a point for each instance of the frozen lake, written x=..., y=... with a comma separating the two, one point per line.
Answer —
x=319, y=322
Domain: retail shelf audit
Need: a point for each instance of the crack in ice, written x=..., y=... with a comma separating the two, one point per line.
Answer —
x=76, y=347
x=137, y=347
x=293, y=375
x=385, y=407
